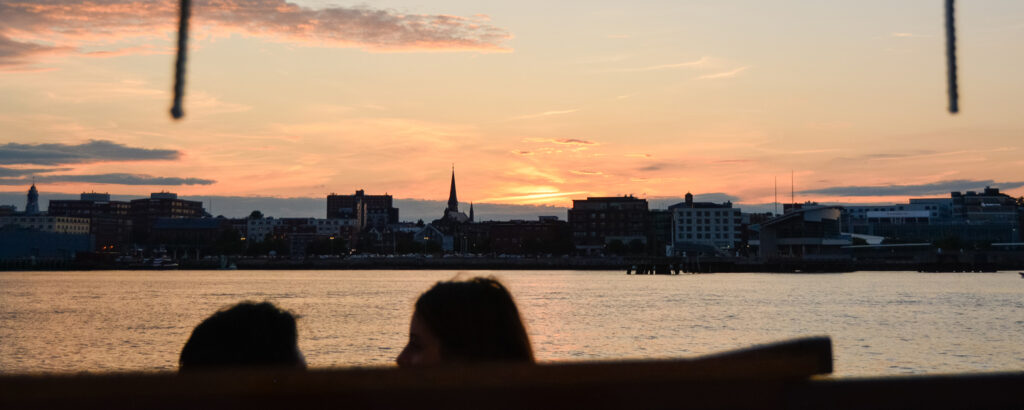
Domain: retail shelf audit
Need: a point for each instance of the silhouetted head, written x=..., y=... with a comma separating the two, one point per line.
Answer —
x=247, y=334
x=466, y=321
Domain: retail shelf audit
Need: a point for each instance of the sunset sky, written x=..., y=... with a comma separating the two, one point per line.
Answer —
x=534, y=102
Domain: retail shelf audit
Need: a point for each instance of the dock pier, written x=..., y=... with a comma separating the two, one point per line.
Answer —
x=668, y=266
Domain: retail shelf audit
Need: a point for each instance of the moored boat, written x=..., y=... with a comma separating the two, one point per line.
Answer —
x=156, y=264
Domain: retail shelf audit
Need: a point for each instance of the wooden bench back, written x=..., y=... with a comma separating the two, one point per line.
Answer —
x=759, y=377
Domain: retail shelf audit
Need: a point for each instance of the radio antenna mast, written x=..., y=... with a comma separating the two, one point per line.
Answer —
x=776, y=195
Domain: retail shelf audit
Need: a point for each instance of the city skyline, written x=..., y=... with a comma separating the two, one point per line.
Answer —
x=655, y=99
x=427, y=210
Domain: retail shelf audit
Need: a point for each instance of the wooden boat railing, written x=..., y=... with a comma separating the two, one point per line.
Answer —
x=780, y=375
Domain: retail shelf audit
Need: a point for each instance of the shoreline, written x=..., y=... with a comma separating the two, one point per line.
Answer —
x=634, y=265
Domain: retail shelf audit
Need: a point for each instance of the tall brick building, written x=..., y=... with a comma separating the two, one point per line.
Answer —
x=146, y=211
x=598, y=221
x=370, y=211
x=109, y=221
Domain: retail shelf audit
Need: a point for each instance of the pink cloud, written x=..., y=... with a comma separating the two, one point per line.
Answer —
x=30, y=29
x=16, y=54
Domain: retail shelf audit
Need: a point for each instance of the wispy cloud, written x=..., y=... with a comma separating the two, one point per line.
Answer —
x=905, y=35
x=574, y=141
x=203, y=104
x=92, y=151
x=534, y=174
x=32, y=29
x=656, y=167
x=546, y=114
x=114, y=179
x=586, y=172
x=935, y=188
x=724, y=74
x=922, y=154
x=562, y=141
x=534, y=198
x=703, y=61
x=145, y=49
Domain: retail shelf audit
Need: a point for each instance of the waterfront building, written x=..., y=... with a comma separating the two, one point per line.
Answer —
x=146, y=211
x=659, y=238
x=808, y=234
x=48, y=223
x=257, y=230
x=370, y=211
x=298, y=233
x=597, y=222
x=185, y=237
x=971, y=217
x=546, y=235
x=990, y=206
x=17, y=242
x=240, y=225
x=862, y=218
x=702, y=225
x=333, y=235
x=109, y=221
x=432, y=239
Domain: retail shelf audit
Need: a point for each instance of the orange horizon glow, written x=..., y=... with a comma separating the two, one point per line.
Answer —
x=305, y=98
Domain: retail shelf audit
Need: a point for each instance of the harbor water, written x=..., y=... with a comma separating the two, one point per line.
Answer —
x=881, y=323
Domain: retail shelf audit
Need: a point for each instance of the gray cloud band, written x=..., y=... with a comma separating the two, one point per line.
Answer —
x=32, y=29
x=20, y=172
x=114, y=179
x=89, y=152
x=92, y=151
x=936, y=188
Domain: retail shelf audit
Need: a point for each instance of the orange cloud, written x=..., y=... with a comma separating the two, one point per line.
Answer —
x=562, y=141
x=31, y=29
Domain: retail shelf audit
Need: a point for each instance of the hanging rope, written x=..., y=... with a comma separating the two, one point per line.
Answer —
x=954, y=94
x=179, y=65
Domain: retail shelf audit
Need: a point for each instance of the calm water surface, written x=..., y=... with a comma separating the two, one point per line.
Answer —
x=881, y=323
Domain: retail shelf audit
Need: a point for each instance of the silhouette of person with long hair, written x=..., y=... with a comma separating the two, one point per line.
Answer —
x=468, y=321
x=248, y=334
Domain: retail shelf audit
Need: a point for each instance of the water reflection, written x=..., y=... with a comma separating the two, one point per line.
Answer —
x=880, y=322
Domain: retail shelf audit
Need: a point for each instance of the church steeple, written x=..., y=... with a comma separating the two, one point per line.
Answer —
x=453, y=200
x=32, y=206
x=471, y=212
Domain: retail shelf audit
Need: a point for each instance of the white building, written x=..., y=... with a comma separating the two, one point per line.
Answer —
x=705, y=223
x=44, y=223
x=259, y=229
